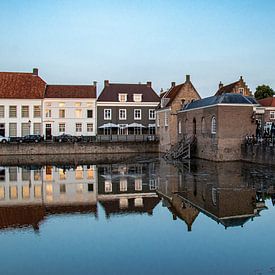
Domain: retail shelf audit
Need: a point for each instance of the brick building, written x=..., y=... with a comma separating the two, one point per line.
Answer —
x=171, y=102
x=126, y=109
x=238, y=87
x=268, y=105
x=219, y=123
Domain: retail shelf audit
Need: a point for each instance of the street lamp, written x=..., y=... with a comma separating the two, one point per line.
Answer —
x=29, y=127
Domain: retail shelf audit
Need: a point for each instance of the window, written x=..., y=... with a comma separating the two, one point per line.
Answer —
x=138, y=184
x=179, y=127
x=2, y=111
x=158, y=121
x=78, y=104
x=26, y=174
x=122, y=114
x=122, y=97
x=213, y=125
x=137, y=97
x=137, y=114
x=79, y=173
x=61, y=113
x=61, y=104
x=78, y=127
x=89, y=104
x=25, y=129
x=241, y=91
x=152, y=114
x=123, y=185
x=48, y=104
x=90, y=173
x=25, y=111
x=62, y=174
x=90, y=187
x=165, y=119
x=13, y=192
x=107, y=114
x=90, y=127
x=37, y=128
x=62, y=188
x=48, y=113
x=37, y=191
x=36, y=111
x=25, y=192
x=2, y=192
x=89, y=113
x=78, y=113
x=13, y=129
x=203, y=126
x=272, y=114
x=61, y=127
x=13, y=111
x=108, y=186
x=13, y=173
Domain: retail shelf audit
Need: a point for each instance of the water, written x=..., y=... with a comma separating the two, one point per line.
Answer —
x=136, y=216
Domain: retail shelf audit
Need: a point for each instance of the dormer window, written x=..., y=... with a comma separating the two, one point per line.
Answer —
x=122, y=97
x=137, y=97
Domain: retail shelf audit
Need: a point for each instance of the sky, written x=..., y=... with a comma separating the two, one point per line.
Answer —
x=78, y=42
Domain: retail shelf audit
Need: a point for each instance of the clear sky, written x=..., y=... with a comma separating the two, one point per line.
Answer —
x=77, y=42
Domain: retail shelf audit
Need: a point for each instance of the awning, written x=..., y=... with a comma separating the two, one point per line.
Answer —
x=135, y=125
x=108, y=125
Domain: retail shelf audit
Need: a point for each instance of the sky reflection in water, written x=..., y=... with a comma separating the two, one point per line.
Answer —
x=137, y=217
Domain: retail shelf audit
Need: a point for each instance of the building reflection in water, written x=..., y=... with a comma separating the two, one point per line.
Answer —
x=228, y=193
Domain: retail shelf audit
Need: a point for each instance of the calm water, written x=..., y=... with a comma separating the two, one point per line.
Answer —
x=140, y=216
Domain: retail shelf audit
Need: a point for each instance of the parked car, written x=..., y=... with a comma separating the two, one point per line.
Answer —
x=4, y=139
x=31, y=138
x=65, y=138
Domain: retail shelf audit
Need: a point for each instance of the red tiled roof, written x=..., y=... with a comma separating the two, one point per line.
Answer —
x=267, y=102
x=110, y=93
x=227, y=88
x=70, y=91
x=21, y=86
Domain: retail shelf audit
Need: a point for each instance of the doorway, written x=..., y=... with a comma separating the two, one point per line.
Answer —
x=2, y=129
x=48, y=131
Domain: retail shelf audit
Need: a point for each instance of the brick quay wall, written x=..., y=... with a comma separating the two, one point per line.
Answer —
x=258, y=154
x=78, y=148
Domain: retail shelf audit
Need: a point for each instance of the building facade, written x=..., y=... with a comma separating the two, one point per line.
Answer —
x=268, y=107
x=21, y=96
x=69, y=109
x=220, y=125
x=166, y=114
x=126, y=109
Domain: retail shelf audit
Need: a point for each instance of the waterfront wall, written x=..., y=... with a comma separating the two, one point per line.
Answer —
x=258, y=154
x=78, y=148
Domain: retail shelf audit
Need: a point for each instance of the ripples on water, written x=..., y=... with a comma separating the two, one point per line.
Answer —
x=137, y=216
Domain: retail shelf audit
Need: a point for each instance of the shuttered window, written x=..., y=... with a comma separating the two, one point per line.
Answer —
x=25, y=111
x=37, y=128
x=25, y=129
x=13, y=129
x=36, y=111
x=2, y=111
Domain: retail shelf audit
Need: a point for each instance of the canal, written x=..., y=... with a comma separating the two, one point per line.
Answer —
x=136, y=215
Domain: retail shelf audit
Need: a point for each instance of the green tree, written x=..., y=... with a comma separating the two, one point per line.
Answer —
x=263, y=91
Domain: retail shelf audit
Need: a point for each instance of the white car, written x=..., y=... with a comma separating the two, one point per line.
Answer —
x=4, y=139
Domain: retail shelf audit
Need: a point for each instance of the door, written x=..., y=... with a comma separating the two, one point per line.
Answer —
x=48, y=131
x=2, y=129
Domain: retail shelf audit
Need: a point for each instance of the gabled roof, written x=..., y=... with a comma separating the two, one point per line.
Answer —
x=227, y=88
x=267, y=102
x=70, y=91
x=111, y=92
x=228, y=98
x=15, y=85
x=171, y=94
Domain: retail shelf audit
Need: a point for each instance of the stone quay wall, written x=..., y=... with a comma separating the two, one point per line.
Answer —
x=78, y=148
x=258, y=154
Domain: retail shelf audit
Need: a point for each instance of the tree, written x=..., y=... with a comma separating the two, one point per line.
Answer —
x=263, y=91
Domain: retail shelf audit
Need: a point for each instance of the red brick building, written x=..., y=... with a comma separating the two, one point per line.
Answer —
x=269, y=108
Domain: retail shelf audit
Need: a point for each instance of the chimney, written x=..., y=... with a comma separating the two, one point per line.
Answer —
x=187, y=78
x=94, y=83
x=149, y=84
x=35, y=71
x=220, y=85
x=241, y=77
x=173, y=84
x=106, y=83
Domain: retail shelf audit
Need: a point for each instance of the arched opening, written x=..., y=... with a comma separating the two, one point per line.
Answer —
x=194, y=126
x=203, y=126
x=213, y=125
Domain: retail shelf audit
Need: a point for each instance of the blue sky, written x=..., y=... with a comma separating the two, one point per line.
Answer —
x=76, y=42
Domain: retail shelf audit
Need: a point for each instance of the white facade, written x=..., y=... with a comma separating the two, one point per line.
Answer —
x=49, y=185
x=70, y=116
x=19, y=117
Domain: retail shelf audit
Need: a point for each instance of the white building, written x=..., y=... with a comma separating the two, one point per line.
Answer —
x=69, y=109
x=21, y=96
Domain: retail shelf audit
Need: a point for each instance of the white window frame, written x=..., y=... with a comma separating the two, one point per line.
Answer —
x=166, y=119
x=12, y=111
x=121, y=111
x=152, y=117
x=241, y=91
x=78, y=127
x=137, y=97
x=62, y=127
x=213, y=125
x=2, y=111
x=36, y=111
x=78, y=113
x=48, y=113
x=90, y=127
x=122, y=97
x=135, y=114
x=59, y=113
x=272, y=114
x=109, y=112
x=25, y=111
